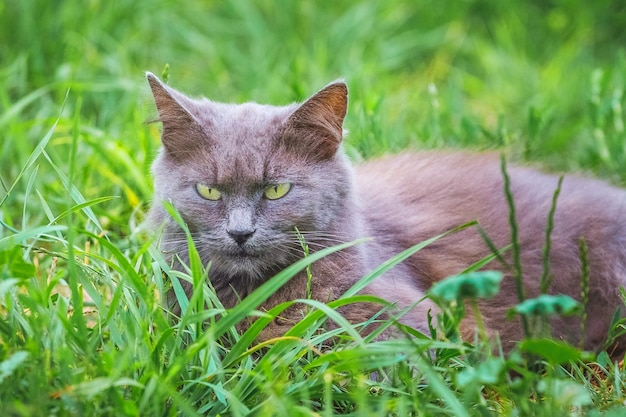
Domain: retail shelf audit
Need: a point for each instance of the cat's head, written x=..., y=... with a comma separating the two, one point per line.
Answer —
x=244, y=177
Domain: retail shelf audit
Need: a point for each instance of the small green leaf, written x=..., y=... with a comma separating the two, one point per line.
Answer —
x=8, y=366
x=487, y=372
x=603, y=359
x=555, y=352
x=165, y=74
x=96, y=386
x=7, y=284
x=548, y=305
x=566, y=393
x=13, y=261
x=482, y=284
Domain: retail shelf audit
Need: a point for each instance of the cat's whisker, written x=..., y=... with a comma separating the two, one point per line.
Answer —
x=319, y=234
x=320, y=238
x=299, y=253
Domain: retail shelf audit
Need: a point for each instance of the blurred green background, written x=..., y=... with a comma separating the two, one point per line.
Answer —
x=81, y=325
x=542, y=79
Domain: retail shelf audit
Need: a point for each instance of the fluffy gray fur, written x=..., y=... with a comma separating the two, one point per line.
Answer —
x=241, y=149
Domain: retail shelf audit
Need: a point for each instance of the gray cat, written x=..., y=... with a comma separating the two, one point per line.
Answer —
x=245, y=176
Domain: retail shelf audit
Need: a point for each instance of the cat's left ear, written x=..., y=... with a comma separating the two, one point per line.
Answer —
x=181, y=129
x=316, y=127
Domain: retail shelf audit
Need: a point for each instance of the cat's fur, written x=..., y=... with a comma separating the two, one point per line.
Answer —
x=399, y=201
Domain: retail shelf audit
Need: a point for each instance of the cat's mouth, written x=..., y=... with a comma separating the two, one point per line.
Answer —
x=243, y=253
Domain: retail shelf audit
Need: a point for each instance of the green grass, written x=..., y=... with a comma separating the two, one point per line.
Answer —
x=82, y=330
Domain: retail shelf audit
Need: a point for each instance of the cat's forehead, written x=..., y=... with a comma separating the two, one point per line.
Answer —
x=242, y=137
x=253, y=163
x=243, y=122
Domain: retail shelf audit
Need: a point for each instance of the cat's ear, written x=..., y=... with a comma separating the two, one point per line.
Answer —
x=315, y=128
x=181, y=129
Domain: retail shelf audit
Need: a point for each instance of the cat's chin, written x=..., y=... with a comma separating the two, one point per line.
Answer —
x=241, y=253
x=241, y=263
x=247, y=263
x=243, y=268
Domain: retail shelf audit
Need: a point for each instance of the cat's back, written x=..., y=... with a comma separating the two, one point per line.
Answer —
x=435, y=178
x=410, y=198
x=418, y=195
x=435, y=190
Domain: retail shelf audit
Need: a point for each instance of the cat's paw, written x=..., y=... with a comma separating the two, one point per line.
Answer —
x=276, y=329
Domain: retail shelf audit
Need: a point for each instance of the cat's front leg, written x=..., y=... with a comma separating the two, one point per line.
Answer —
x=324, y=282
x=298, y=289
x=355, y=314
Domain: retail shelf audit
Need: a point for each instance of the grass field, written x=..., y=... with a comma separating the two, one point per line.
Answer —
x=82, y=331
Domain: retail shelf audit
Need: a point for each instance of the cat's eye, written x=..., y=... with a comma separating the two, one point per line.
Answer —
x=274, y=192
x=208, y=193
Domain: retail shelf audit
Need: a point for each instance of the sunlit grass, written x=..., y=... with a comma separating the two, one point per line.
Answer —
x=82, y=329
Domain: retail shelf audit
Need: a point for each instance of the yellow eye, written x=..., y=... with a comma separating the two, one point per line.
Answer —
x=207, y=192
x=277, y=191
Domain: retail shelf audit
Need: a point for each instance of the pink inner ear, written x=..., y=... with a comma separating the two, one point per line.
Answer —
x=315, y=129
x=328, y=105
x=169, y=102
x=181, y=129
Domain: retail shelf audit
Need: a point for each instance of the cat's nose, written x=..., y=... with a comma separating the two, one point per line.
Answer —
x=240, y=236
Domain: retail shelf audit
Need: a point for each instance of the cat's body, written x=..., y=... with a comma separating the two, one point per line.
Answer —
x=429, y=193
x=245, y=176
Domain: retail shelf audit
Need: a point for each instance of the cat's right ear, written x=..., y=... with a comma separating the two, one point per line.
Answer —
x=181, y=129
x=315, y=129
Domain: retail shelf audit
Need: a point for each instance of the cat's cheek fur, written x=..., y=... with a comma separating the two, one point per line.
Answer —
x=328, y=198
